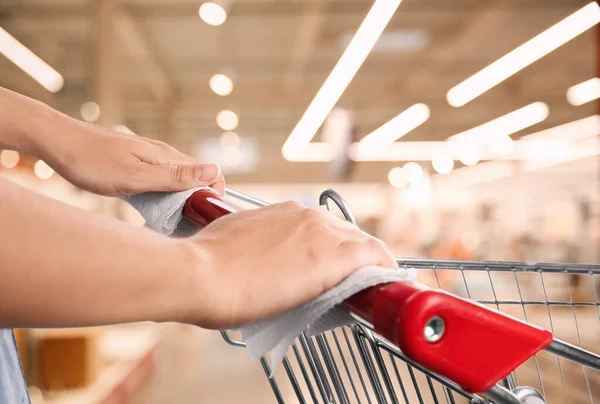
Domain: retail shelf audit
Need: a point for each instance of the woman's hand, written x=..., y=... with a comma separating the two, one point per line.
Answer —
x=112, y=163
x=259, y=263
x=98, y=159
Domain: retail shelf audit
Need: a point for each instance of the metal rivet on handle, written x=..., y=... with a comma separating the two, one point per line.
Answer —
x=434, y=329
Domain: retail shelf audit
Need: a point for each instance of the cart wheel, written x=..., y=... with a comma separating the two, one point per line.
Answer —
x=529, y=395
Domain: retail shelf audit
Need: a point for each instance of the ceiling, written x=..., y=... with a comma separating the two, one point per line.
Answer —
x=279, y=52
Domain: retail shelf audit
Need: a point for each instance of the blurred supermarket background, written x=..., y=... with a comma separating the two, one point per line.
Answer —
x=471, y=131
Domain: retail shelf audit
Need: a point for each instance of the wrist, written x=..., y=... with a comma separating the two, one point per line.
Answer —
x=190, y=269
x=49, y=133
x=17, y=113
x=28, y=124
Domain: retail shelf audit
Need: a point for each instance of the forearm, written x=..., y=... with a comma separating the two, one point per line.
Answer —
x=20, y=122
x=61, y=266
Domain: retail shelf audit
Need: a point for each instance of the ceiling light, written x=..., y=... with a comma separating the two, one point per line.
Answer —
x=30, y=63
x=400, y=151
x=227, y=120
x=355, y=54
x=90, y=111
x=502, y=145
x=443, y=163
x=584, y=92
x=314, y=152
x=221, y=84
x=576, y=130
x=526, y=148
x=397, y=177
x=413, y=172
x=574, y=151
x=469, y=155
x=42, y=170
x=212, y=13
x=524, y=55
x=469, y=176
x=229, y=140
x=395, y=41
x=504, y=125
x=394, y=129
x=9, y=158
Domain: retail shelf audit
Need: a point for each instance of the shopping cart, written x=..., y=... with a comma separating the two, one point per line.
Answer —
x=493, y=339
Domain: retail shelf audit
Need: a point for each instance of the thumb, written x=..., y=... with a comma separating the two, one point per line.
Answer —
x=181, y=177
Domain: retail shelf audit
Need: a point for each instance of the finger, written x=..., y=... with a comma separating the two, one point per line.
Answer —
x=219, y=184
x=361, y=252
x=386, y=248
x=170, y=178
x=380, y=252
x=350, y=255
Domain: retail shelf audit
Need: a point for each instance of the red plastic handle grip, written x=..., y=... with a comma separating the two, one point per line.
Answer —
x=476, y=347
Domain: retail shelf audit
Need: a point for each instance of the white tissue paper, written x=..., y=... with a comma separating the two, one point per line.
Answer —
x=163, y=213
x=321, y=314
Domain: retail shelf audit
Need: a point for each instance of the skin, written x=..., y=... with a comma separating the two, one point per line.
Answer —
x=79, y=268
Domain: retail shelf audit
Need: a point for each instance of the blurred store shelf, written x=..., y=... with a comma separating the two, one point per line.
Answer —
x=126, y=356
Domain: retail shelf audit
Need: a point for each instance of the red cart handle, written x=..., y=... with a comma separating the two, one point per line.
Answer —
x=466, y=342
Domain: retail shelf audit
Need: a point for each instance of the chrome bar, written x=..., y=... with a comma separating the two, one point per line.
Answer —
x=368, y=363
x=272, y=381
x=340, y=202
x=382, y=368
x=245, y=198
x=574, y=354
x=309, y=385
x=232, y=341
x=292, y=378
x=500, y=266
x=331, y=366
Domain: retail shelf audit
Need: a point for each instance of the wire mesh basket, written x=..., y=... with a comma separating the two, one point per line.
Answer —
x=355, y=365
x=550, y=324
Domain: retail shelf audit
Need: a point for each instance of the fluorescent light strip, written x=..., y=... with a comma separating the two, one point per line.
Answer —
x=339, y=78
x=30, y=63
x=524, y=55
x=427, y=151
x=473, y=175
x=505, y=125
x=314, y=152
x=401, y=151
x=398, y=151
x=577, y=150
x=379, y=145
x=584, y=92
x=496, y=170
x=562, y=144
x=394, y=129
x=576, y=130
x=549, y=144
x=545, y=144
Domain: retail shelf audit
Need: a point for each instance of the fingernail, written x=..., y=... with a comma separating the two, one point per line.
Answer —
x=208, y=172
